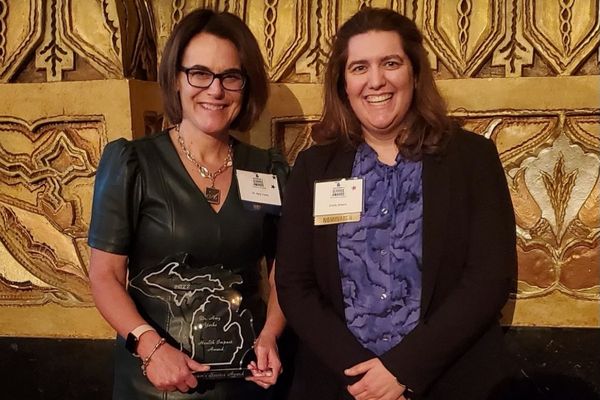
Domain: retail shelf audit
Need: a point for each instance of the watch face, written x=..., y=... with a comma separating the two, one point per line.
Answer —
x=131, y=343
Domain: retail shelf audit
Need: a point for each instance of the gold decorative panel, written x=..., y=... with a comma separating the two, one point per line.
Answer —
x=77, y=74
x=51, y=138
x=552, y=159
x=463, y=34
x=46, y=170
x=56, y=40
x=562, y=31
x=20, y=30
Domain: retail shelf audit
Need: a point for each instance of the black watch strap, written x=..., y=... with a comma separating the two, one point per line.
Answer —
x=133, y=337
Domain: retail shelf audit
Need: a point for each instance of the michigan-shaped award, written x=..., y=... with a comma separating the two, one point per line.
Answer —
x=205, y=318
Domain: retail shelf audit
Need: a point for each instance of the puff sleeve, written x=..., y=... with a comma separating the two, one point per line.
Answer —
x=117, y=198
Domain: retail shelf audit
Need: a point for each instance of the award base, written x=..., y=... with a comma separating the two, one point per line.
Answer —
x=224, y=373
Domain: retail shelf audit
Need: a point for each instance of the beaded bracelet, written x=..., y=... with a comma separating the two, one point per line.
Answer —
x=147, y=359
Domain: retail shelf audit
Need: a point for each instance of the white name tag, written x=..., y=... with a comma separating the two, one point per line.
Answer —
x=258, y=190
x=338, y=201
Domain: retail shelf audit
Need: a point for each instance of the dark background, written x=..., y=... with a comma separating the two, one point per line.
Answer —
x=555, y=363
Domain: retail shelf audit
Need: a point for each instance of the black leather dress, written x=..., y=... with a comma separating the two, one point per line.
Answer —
x=146, y=206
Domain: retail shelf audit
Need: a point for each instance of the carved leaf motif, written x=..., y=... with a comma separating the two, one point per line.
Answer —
x=559, y=187
x=588, y=214
x=527, y=210
x=54, y=55
x=515, y=51
x=323, y=24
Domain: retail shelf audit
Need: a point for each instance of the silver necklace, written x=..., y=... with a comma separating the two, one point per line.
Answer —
x=213, y=195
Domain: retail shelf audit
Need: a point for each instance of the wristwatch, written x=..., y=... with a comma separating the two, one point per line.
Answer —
x=133, y=338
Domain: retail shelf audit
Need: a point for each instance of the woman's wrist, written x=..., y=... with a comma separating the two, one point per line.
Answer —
x=146, y=343
x=274, y=326
x=146, y=360
x=270, y=333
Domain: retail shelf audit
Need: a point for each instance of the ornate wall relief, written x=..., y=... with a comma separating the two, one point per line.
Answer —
x=58, y=40
x=518, y=71
x=464, y=34
x=51, y=138
x=562, y=31
x=20, y=31
x=46, y=171
x=552, y=160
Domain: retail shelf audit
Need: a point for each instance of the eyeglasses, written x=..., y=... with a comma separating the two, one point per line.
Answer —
x=202, y=78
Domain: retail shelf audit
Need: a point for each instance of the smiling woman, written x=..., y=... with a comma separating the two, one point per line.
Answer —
x=208, y=106
x=379, y=85
x=384, y=42
x=175, y=255
x=403, y=301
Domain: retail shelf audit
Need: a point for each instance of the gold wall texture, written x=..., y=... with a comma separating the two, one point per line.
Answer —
x=75, y=74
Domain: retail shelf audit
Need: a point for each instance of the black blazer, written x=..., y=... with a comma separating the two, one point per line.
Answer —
x=469, y=265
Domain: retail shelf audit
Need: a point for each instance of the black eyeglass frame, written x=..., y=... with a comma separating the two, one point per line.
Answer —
x=220, y=76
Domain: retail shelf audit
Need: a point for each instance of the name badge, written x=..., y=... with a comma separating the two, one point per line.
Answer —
x=338, y=201
x=259, y=191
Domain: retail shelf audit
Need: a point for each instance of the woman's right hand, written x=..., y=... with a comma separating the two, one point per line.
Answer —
x=376, y=382
x=169, y=369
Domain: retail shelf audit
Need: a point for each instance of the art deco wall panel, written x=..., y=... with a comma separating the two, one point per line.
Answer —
x=51, y=139
x=77, y=74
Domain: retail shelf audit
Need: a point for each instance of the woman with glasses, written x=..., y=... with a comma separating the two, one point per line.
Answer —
x=173, y=238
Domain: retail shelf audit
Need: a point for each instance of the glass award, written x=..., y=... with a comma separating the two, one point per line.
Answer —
x=204, y=318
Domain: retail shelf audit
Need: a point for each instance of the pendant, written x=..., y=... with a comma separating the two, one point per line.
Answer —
x=213, y=195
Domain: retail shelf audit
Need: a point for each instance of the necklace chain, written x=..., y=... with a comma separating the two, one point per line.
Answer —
x=204, y=172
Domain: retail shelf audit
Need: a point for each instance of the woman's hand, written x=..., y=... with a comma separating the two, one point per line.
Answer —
x=377, y=383
x=169, y=369
x=267, y=367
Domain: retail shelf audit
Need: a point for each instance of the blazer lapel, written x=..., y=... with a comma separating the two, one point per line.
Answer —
x=340, y=163
x=436, y=190
x=436, y=187
x=339, y=166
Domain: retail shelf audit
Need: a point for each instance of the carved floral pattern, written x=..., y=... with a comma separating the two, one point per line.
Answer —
x=553, y=171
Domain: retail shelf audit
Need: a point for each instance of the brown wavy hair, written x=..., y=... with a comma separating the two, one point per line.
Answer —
x=226, y=26
x=426, y=125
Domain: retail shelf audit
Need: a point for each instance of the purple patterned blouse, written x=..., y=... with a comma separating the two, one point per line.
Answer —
x=380, y=256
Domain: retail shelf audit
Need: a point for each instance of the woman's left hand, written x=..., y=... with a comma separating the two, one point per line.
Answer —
x=377, y=382
x=267, y=367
